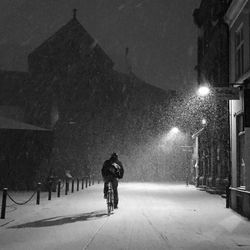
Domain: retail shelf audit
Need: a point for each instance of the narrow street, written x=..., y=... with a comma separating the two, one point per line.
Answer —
x=150, y=216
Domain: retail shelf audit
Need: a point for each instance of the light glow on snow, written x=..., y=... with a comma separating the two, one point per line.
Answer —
x=150, y=216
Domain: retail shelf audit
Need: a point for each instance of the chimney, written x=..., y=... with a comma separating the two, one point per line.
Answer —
x=126, y=51
x=74, y=13
x=128, y=64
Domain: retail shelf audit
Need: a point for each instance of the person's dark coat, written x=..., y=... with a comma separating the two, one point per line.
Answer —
x=112, y=168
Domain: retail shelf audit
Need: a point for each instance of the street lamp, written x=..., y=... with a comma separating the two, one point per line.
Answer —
x=203, y=91
x=175, y=130
x=187, y=148
x=204, y=122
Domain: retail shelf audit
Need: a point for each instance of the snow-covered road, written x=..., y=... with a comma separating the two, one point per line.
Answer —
x=150, y=216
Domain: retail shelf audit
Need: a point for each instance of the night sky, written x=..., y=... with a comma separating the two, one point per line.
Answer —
x=160, y=34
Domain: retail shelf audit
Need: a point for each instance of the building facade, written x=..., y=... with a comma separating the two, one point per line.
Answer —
x=238, y=19
x=212, y=70
x=23, y=146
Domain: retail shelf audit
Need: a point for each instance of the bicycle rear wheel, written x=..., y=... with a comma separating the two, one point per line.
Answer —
x=109, y=203
x=110, y=199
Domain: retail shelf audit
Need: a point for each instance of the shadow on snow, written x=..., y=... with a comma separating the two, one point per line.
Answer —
x=60, y=220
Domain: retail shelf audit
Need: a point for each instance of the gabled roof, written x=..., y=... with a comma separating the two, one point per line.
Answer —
x=73, y=24
x=71, y=30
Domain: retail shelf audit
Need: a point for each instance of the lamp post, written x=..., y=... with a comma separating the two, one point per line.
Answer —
x=190, y=149
x=192, y=105
x=187, y=149
x=214, y=148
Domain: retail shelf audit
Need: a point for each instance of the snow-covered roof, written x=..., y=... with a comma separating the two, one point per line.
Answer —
x=6, y=123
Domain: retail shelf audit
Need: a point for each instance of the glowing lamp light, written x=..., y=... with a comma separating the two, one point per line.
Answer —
x=203, y=91
x=175, y=130
x=204, y=122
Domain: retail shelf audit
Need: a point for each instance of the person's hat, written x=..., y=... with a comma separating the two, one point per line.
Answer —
x=114, y=155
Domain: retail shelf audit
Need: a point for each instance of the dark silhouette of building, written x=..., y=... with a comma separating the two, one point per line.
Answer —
x=22, y=145
x=71, y=46
x=90, y=109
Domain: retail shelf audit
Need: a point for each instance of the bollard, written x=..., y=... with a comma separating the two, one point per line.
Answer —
x=77, y=184
x=4, y=198
x=72, y=186
x=59, y=188
x=38, y=193
x=66, y=186
x=82, y=183
x=50, y=189
x=227, y=196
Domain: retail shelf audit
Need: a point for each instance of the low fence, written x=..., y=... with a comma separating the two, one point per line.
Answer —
x=58, y=187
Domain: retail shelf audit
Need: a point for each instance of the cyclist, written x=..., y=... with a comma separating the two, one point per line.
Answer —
x=112, y=170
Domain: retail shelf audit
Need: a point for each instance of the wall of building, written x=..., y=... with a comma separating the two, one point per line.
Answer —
x=213, y=70
x=247, y=158
x=236, y=107
x=242, y=19
x=239, y=17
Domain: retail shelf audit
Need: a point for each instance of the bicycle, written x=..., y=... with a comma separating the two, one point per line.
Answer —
x=110, y=198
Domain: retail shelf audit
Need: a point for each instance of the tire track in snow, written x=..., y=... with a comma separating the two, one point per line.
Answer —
x=6, y=223
x=94, y=235
x=131, y=234
x=162, y=236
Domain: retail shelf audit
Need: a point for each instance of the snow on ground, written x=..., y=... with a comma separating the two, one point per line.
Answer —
x=150, y=216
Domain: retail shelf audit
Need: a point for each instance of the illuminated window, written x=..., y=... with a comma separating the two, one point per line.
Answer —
x=241, y=168
x=239, y=52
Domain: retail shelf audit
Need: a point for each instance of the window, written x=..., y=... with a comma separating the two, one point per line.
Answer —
x=239, y=52
x=240, y=150
x=246, y=107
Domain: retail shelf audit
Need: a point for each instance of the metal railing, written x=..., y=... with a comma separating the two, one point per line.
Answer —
x=85, y=182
